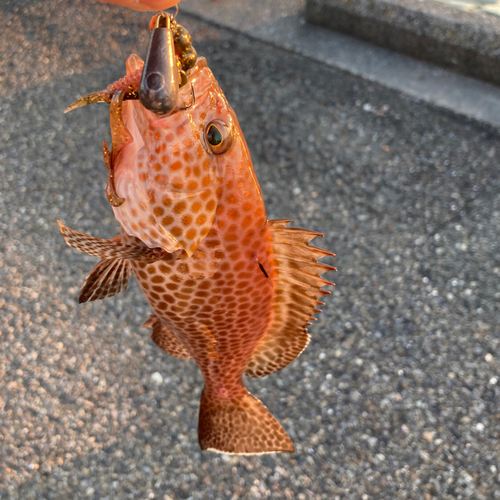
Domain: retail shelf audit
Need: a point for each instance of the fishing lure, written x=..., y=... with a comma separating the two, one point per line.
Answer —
x=228, y=287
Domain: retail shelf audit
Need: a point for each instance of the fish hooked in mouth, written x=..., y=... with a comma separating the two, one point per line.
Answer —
x=228, y=287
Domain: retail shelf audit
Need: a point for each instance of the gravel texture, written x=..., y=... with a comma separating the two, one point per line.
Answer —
x=397, y=395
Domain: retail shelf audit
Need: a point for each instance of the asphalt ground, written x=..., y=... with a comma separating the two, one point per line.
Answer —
x=397, y=396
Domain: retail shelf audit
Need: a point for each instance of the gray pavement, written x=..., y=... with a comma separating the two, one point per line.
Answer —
x=397, y=394
x=281, y=23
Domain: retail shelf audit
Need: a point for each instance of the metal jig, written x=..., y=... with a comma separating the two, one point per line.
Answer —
x=159, y=87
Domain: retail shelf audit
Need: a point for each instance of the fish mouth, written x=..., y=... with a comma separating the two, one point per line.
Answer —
x=158, y=82
x=190, y=93
x=186, y=96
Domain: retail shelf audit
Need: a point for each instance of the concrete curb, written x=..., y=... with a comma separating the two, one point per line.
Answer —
x=428, y=30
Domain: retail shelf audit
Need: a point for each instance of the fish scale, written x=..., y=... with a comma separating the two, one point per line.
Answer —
x=228, y=288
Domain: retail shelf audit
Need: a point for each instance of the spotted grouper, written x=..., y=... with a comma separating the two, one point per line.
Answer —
x=228, y=287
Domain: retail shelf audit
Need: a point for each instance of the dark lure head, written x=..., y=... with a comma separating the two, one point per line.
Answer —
x=170, y=55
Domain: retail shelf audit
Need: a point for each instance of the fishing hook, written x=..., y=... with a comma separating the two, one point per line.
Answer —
x=193, y=99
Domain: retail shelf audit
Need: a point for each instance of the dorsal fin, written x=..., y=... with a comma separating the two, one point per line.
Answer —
x=298, y=287
x=165, y=339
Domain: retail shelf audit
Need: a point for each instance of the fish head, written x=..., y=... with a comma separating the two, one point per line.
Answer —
x=171, y=172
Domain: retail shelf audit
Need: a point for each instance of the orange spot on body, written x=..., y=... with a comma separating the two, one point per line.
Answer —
x=212, y=243
x=177, y=183
x=246, y=221
x=180, y=207
x=176, y=231
x=161, y=179
x=186, y=220
x=201, y=219
x=167, y=220
x=233, y=214
x=230, y=237
x=234, y=256
x=164, y=268
x=232, y=199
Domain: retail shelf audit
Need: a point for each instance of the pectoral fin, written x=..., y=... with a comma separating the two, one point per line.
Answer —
x=108, y=278
x=111, y=249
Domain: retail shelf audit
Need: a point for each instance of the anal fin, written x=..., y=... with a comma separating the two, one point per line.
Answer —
x=165, y=339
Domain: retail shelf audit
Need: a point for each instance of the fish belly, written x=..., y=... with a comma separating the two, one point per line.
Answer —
x=217, y=302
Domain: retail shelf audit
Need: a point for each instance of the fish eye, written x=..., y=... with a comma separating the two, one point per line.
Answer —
x=218, y=136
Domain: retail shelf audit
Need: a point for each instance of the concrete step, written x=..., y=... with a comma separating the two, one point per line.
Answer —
x=432, y=31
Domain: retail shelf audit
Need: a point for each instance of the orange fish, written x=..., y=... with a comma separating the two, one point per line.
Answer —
x=228, y=288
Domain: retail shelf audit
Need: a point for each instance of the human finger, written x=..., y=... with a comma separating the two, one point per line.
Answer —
x=143, y=5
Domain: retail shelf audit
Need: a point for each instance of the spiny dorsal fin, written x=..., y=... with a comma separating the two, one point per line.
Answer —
x=165, y=339
x=108, y=278
x=298, y=287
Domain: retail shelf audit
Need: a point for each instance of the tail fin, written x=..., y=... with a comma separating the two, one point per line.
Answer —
x=240, y=425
